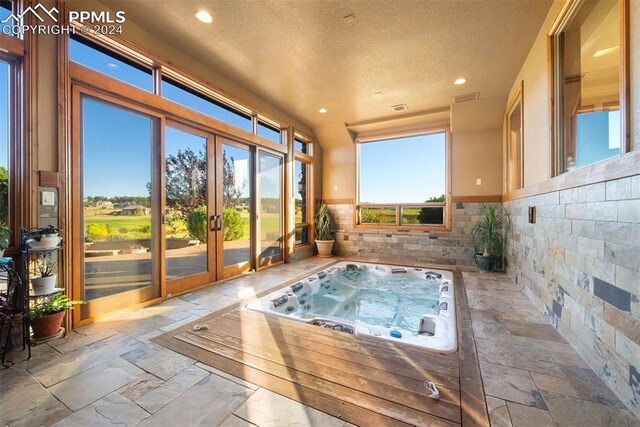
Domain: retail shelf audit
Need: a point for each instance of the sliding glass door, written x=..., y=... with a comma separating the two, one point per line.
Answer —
x=161, y=207
x=118, y=207
x=237, y=206
x=270, y=205
x=189, y=217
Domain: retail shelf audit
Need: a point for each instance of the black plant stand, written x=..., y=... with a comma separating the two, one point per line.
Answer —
x=12, y=313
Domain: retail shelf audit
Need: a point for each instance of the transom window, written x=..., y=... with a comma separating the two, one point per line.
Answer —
x=188, y=97
x=587, y=59
x=97, y=58
x=302, y=146
x=403, y=181
x=269, y=132
x=6, y=8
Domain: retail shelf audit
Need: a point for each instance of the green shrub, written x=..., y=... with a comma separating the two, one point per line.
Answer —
x=233, y=228
x=369, y=216
x=97, y=232
x=197, y=223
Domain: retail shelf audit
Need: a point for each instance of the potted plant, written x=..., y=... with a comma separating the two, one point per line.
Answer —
x=46, y=282
x=45, y=238
x=5, y=233
x=489, y=236
x=46, y=317
x=324, y=243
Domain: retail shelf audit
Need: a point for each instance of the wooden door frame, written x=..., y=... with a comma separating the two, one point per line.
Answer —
x=127, y=298
x=184, y=284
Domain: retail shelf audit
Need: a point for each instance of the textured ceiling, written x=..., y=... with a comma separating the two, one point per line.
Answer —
x=302, y=55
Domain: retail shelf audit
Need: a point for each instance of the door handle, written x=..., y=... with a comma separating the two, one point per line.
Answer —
x=219, y=222
x=213, y=220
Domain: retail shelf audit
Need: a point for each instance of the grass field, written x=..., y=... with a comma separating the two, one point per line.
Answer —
x=384, y=215
x=137, y=227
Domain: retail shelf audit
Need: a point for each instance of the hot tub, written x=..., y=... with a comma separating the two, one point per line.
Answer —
x=408, y=305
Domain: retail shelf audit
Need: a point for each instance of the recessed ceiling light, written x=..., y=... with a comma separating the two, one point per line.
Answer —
x=112, y=65
x=377, y=93
x=606, y=51
x=460, y=81
x=204, y=16
x=322, y=110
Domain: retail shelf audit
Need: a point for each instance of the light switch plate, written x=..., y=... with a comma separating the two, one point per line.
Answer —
x=478, y=181
x=48, y=198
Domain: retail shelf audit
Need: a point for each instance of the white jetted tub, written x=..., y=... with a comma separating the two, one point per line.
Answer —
x=407, y=305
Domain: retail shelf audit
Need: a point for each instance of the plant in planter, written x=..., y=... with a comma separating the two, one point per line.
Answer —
x=44, y=238
x=46, y=282
x=5, y=233
x=46, y=317
x=489, y=236
x=324, y=243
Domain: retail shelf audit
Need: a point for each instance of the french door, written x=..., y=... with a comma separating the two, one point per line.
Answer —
x=161, y=206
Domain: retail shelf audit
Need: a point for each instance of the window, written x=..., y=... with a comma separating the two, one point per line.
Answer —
x=188, y=97
x=514, y=118
x=5, y=139
x=301, y=195
x=302, y=146
x=587, y=58
x=102, y=60
x=403, y=181
x=270, y=132
x=6, y=9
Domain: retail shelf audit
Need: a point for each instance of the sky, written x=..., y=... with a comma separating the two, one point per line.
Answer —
x=402, y=170
x=116, y=150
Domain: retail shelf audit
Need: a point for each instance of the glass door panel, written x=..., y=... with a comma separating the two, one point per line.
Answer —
x=236, y=204
x=186, y=218
x=270, y=206
x=117, y=216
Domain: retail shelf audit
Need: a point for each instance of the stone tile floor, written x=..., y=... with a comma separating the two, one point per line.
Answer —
x=531, y=375
x=110, y=373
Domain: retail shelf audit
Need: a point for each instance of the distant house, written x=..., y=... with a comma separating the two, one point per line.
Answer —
x=104, y=204
x=135, y=210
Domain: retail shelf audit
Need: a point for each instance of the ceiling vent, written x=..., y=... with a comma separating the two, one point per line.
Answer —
x=466, y=97
x=399, y=107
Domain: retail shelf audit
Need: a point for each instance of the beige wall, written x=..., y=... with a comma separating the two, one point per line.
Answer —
x=339, y=172
x=476, y=147
x=537, y=127
x=476, y=154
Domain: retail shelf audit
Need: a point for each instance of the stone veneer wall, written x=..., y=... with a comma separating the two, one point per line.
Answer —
x=580, y=264
x=407, y=246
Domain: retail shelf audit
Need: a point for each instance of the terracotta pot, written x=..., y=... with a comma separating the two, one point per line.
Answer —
x=324, y=248
x=47, y=326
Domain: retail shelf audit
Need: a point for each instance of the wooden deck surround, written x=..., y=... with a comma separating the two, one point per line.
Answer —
x=360, y=379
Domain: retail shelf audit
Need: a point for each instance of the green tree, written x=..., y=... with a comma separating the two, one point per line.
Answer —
x=197, y=223
x=231, y=191
x=233, y=225
x=4, y=195
x=186, y=181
